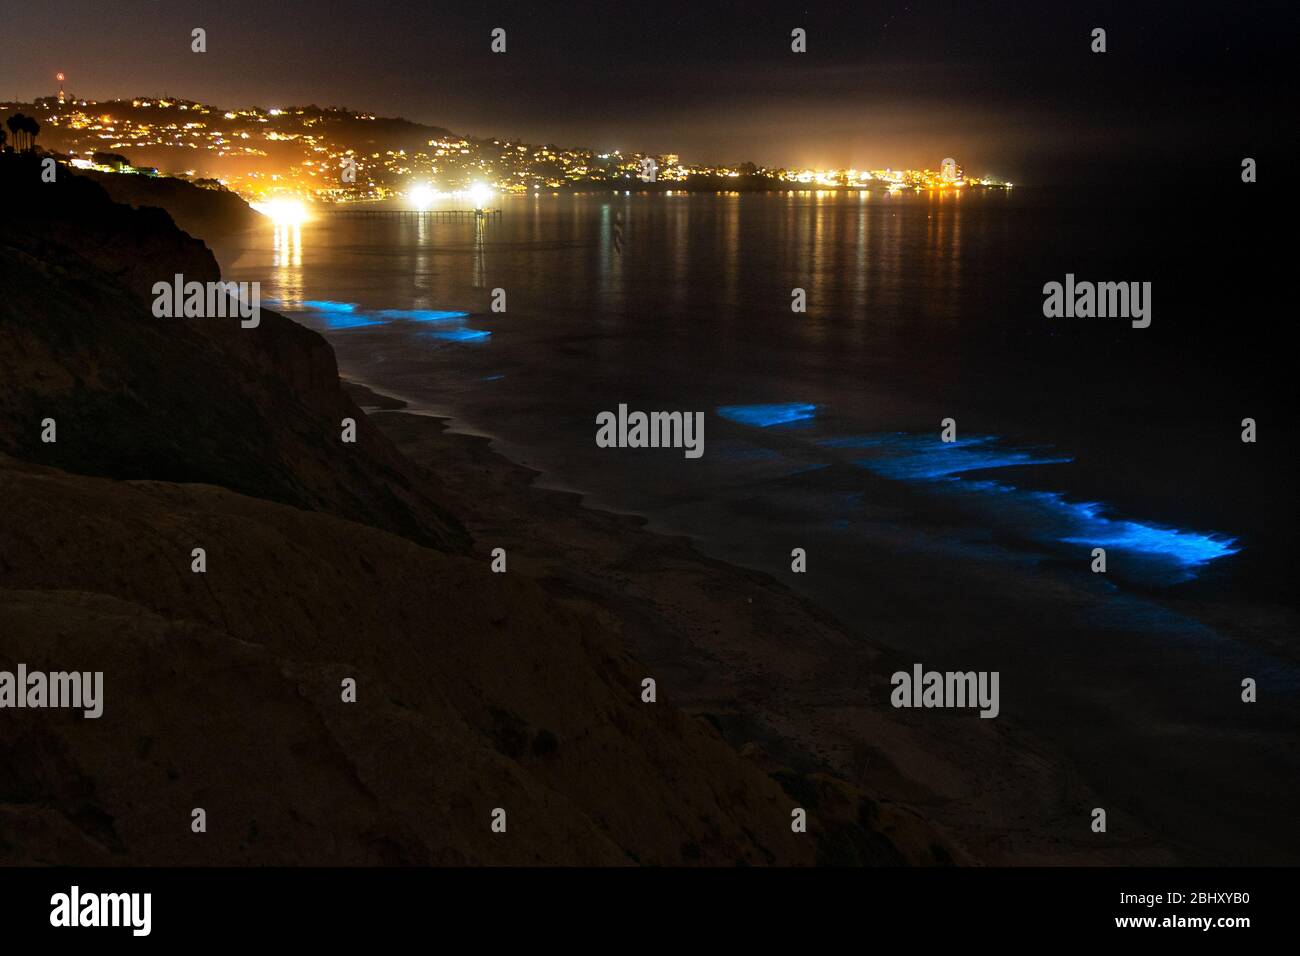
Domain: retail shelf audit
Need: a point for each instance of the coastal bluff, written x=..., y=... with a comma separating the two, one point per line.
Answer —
x=325, y=563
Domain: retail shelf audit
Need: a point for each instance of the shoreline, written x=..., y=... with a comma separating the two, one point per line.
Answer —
x=526, y=685
x=781, y=678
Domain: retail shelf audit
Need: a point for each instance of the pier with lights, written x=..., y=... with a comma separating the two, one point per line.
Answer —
x=351, y=211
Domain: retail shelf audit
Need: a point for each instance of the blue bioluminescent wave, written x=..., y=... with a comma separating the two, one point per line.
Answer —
x=1041, y=514
x=346, y=315
x=765, y=416
x=461, y=335
x=420, y=315
x=918, y=458
x=1186, y=547
x=326, y=305
x=347, y=320
x=1044, y=516
x=339, y=315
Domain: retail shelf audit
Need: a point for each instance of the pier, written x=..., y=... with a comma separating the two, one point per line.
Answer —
x=438, y=215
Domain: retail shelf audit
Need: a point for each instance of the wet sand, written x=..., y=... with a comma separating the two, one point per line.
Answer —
x=776, y=673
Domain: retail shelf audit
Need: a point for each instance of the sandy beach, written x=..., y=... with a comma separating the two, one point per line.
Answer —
x=783, y=681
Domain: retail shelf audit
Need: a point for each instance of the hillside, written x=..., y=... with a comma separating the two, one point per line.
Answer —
x=198, y=211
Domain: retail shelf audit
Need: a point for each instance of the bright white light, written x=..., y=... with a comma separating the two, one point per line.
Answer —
x=480, y=194
x=283, y=212
x=422, y=196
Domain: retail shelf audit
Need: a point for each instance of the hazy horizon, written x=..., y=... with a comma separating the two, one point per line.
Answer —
x=1011, y=91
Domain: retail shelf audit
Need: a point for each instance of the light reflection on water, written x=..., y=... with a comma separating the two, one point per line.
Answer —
x=693, y=310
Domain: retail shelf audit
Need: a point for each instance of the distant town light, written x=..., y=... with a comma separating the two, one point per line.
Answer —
x=283, y=212
x=421, y=196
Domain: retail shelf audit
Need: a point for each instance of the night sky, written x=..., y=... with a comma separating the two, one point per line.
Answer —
x=1010, y=89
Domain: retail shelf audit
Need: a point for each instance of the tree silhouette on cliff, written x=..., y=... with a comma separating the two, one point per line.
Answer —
x=24, y=130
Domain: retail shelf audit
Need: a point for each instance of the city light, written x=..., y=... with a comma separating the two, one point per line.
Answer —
x=310, y=142
x=283, y=212
x=422, y=196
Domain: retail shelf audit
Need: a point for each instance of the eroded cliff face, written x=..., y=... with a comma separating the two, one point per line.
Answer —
x=72, y=214
x=198, y=211
x=257, y=410
x=223, y=690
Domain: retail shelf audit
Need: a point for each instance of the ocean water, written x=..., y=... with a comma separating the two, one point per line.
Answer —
x=822, y=429
x=919, y=308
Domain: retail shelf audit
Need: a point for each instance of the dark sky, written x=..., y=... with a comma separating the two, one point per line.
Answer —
x=1008, y=88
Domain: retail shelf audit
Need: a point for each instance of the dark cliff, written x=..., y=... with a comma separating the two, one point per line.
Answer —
x=256, y=410
x=325, y=561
